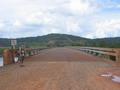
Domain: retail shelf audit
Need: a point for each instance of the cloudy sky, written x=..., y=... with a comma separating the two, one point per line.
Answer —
x=86, y=18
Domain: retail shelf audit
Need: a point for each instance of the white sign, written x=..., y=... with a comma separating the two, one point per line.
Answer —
x=13, y=42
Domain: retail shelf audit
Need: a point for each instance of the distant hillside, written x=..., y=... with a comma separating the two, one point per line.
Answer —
x=107, y=42
x=59, y=40
x=4, y=42
x=55, y=40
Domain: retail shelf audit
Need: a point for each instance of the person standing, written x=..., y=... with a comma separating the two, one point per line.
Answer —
x=21, y=56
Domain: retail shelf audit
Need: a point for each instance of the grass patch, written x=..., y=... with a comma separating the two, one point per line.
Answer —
x=2, y=49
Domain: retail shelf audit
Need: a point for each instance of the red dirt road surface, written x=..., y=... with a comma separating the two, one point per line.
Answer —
x=58, y=69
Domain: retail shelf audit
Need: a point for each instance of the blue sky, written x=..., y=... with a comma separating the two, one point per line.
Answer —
x=86, y=18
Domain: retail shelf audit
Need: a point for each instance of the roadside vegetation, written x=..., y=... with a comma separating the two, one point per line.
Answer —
x=1, y=51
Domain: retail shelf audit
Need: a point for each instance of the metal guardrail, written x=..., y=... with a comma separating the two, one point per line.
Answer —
x=109, y=53
x=32, y=51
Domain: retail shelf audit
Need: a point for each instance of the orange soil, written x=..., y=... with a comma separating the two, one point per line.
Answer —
x=58, y=69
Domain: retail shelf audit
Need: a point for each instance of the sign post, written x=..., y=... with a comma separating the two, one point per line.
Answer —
x=13, y=43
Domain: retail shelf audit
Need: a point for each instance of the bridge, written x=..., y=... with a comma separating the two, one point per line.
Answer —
x=63, y=69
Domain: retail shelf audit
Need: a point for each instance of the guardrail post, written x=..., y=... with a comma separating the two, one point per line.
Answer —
x=118, y=56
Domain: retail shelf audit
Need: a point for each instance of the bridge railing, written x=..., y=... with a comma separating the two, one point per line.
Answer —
x=9, y=55
x=109, y=53
x=32, y=51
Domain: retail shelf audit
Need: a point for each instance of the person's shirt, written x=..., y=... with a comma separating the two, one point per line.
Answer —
x=22, y=53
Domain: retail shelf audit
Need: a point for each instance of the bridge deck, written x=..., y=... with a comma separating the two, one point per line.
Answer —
x=57, y=69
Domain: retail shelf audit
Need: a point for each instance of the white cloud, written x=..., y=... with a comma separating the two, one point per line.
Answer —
x=2, y=26
x=17, y=23
x=78, y=7
x=72, y=25
x=106, y=28
x=51, y=30
x=82, y=7
x=38, y=17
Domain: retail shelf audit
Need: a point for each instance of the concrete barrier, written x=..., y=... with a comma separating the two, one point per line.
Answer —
x=7, y=57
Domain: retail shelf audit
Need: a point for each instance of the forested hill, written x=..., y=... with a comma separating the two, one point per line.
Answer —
x=59, y=40
x=107, y=42
x=54, y=40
